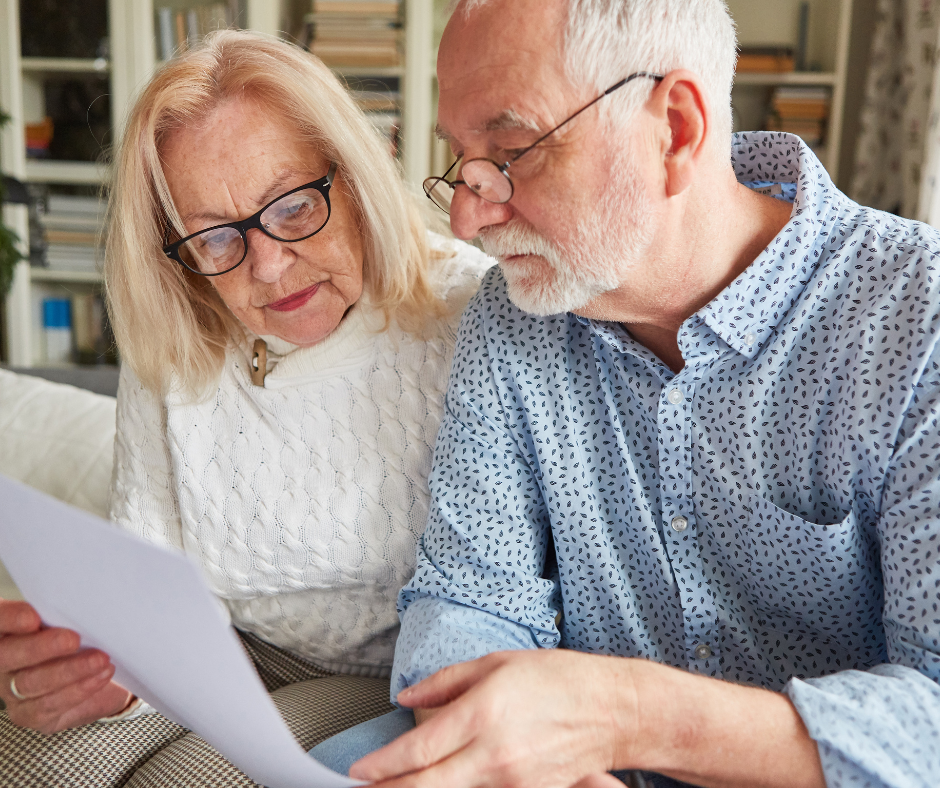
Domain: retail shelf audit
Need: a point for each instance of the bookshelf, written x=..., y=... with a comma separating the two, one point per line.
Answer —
x=112, y=74
x=820, y=48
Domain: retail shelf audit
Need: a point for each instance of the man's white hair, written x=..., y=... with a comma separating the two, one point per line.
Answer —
x=607, y=40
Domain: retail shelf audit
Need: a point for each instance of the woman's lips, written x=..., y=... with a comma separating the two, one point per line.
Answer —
x=295, y=301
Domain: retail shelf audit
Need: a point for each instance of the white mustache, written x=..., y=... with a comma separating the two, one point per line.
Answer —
x=516, y=240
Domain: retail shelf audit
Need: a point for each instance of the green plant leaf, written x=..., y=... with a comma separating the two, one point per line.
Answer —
x=9, y=241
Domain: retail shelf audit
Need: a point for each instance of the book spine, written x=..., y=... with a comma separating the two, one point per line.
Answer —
x=192, y=27
x=802, y=41
x=165, y=26
x=181, y=30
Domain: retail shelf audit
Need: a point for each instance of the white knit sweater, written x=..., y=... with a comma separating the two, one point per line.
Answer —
x=303, y=500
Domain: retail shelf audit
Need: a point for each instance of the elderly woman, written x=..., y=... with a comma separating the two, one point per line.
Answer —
x=286, y=325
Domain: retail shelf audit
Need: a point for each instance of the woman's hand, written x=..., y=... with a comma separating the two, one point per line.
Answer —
x=63, y=687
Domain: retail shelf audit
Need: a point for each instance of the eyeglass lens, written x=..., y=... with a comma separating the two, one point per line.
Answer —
x=440, y=192
x=292, y=218
x=481, y=176
x=487, y=180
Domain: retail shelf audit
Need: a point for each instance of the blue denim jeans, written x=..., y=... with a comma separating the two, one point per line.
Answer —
x=344, y=749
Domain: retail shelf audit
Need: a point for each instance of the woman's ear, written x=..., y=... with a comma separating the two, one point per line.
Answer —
x=680, y=105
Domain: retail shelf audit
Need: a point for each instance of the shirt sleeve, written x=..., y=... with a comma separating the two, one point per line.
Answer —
x=143, y=500
x=881, y=727
x=480, y=583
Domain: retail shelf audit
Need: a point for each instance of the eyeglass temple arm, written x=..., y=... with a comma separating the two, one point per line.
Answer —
x=611, y=89
x=444, y=176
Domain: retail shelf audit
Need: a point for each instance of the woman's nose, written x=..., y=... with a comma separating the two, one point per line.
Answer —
x=268, y=257
x=469, y=214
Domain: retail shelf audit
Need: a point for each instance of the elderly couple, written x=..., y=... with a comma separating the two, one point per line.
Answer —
x=683, y=518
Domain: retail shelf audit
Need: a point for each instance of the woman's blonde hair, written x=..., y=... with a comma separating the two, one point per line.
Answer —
x=169, y=323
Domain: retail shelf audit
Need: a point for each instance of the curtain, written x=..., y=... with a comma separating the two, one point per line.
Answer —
x=900, y=129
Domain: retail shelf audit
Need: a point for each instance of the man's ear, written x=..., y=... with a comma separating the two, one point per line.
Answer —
x=680, y=105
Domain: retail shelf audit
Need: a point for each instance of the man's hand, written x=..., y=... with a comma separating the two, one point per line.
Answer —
x=520, y=718
x=63, y=686
x=558, y=718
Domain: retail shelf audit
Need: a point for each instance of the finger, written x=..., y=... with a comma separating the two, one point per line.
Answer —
x=51, y=712
x=460, y=770
x=438, y=738
x=57, y=674
x=448, y=683
x=108, y=701
x=18, y=618
x=601, y=780
x=24, y=651
x=423, y=715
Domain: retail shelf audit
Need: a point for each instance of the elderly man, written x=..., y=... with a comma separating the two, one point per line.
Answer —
x=686, y=495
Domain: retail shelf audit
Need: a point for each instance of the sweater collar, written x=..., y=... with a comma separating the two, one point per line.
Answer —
x=345, y=347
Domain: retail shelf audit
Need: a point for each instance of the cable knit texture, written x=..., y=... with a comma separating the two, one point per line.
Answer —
x=301, y=501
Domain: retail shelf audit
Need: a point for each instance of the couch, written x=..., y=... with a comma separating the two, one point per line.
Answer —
x=58, y=438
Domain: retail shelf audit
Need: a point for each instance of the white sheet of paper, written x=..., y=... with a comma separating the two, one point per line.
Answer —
x=149, y=609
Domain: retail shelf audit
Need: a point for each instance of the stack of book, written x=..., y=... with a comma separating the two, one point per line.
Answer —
x=72, y=326
x=90, y=329
x=356, y=32
x=179, y=28
x=380, y=100
x=803, y=111
x=766, y=60
x=72, y=226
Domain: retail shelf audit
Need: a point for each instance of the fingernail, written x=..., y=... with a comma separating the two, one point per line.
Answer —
x=358, y=773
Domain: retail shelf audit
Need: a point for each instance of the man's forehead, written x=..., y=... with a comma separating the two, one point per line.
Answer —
x=500, y=68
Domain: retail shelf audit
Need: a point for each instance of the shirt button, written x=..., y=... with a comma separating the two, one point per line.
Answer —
x=749, y=339
x=703, y=651
x=675, y=397
x=679, y=524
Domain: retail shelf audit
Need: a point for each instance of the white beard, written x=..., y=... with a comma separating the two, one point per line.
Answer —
x=606, y=246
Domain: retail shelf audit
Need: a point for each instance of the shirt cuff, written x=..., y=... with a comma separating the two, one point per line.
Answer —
x=138, y=708
x=436, y=633
x=879, y=727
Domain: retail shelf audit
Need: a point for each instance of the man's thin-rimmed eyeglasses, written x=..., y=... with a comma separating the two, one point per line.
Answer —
x=294, y=216
x=491, y=181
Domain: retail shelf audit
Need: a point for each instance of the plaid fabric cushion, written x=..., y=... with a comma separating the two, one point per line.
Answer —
x=152, y=751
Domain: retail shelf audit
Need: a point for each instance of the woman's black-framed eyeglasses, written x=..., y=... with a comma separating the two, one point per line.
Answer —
x=491, y=181
x=292, y=217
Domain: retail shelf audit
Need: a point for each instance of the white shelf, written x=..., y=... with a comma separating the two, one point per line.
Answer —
x=775, y=23
x=369, y=71
x=87, y=173
x=65, y=65
x=788, y=78
x=132, y=62
x=74, y=277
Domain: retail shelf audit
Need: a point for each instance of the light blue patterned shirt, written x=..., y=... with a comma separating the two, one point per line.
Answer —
x=769, y=515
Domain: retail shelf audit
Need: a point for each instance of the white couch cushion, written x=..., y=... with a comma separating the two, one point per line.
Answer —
x=58, y=439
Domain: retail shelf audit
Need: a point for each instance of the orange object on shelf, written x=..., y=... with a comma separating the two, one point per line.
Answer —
x=765, y=64
x=39, y=134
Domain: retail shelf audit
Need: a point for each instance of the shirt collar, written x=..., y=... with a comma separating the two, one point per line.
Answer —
x=746, y=314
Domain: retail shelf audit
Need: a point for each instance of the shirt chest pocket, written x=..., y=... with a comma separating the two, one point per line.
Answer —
x=823, y=581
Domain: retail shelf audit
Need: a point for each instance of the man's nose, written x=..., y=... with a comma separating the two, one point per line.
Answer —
x=269, y=258
x=470, y=214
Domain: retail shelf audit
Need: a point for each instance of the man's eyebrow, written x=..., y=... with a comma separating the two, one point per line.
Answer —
x=273, y=190
x=508, y=120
